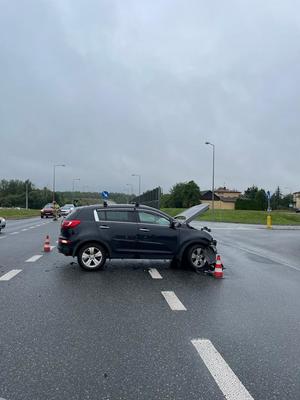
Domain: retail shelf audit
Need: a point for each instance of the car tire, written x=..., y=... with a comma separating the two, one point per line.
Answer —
x=91, y=257
x=195, y=258
x=42, y=216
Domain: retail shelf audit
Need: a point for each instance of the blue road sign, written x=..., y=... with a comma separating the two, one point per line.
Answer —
x=105, y=194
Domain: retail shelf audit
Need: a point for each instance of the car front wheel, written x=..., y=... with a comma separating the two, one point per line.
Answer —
x=91, y=257
x=196, y=258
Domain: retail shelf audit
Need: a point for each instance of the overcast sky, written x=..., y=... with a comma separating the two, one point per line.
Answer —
x=112, y=88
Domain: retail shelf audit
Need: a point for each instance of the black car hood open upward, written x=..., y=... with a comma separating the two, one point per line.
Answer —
x=191, y=213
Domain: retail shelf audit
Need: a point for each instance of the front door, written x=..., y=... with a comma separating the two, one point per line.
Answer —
x=155, y=237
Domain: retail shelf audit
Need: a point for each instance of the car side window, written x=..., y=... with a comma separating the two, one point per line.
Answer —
x=149, y=218
x=101, y=215
x=119, y=215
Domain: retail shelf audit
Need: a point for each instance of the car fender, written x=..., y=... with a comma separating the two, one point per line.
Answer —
x=189, y=243
x=83, y=242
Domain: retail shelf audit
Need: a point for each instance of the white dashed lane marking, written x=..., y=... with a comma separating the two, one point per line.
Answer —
x=25, y=229
x=14, y=233
x=228, y=382
x=154, y=273
x=10, y=274
x=173, y=301
x=34, y=258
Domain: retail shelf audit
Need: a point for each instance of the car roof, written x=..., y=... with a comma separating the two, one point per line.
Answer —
x=124, y=207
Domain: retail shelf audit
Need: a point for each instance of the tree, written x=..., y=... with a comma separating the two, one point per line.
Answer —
x=261, y=201
x=165, y=200
x=250, y=193
x=184, y=195
x=276, y=199
x=286, y=201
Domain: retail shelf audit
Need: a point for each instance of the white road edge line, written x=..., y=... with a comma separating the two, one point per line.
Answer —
x=225, y=378
x=10, y=274
x=34, y=258
x=173, y=301
x=257, y=253
x=154, y=273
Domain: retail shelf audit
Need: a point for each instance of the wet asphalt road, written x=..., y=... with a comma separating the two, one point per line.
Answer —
x=70, y=334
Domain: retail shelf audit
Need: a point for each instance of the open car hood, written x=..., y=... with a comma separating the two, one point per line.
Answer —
x=191, y=213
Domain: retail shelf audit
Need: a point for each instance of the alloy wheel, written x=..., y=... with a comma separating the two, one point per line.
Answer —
x=92, y=257
x=198, y=258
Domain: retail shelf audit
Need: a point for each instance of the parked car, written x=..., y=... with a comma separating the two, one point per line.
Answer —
x=47, y=211
x=2, y=223
x=95, y=233
x=66, y=209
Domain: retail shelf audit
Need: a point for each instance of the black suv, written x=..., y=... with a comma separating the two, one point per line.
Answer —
x=95, y=233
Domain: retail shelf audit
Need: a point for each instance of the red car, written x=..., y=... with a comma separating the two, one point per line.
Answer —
x=47, y=211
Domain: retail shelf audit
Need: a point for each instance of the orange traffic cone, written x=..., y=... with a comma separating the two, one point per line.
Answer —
x=47, y=244
x=218, y=272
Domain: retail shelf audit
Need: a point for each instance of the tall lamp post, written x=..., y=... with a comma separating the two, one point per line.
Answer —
x=54, y=167
x=139, y=183
x=73, y=187
x=213, y=180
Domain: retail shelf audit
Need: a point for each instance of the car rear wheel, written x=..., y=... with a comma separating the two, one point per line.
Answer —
x=91, y=257
x=196, y=258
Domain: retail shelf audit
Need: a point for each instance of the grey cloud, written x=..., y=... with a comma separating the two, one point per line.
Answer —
x=113, y=88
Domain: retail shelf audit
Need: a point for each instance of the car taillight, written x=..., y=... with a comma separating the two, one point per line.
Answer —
x=71, y=223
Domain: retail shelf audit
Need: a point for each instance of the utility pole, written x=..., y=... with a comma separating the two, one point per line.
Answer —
x=139, y=176
x=26, y=195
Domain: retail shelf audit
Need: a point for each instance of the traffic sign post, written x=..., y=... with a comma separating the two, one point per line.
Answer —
x=104, y=195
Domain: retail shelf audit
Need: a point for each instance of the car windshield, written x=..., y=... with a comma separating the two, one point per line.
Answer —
x=49, y=205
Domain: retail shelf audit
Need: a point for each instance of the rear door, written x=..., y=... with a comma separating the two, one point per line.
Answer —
x=156, y=238
x=118, y=228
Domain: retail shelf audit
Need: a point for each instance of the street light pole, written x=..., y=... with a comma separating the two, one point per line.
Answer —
x=213, y=180
x=54, y=166
x=139, y=183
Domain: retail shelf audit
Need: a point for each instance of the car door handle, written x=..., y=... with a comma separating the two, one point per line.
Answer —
x=104, y=227
x=144, y=230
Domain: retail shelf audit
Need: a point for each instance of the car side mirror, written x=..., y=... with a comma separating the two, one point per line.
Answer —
x=174, y=224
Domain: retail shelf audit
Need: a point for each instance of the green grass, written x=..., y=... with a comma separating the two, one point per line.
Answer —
x=13, y=213
x=244, y=216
